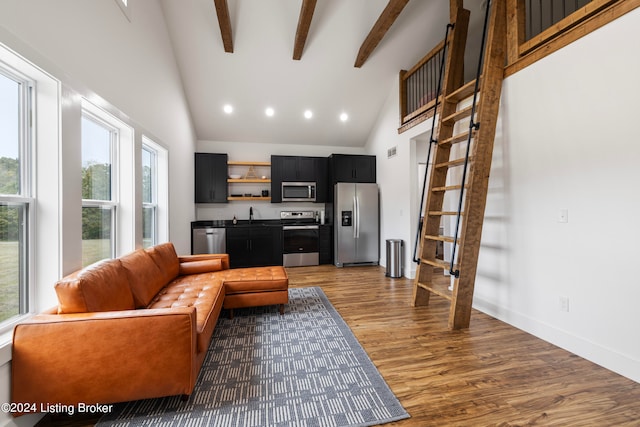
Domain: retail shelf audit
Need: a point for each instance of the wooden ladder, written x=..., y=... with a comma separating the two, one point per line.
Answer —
x=472, y=194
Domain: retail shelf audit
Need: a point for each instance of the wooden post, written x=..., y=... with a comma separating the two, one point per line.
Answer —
x=403, y=96
x=516, y=28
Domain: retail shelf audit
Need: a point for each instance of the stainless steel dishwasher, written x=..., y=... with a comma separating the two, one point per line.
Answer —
x=208, y=240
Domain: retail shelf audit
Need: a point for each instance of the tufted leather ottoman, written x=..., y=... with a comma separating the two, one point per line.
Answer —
x=255, y=286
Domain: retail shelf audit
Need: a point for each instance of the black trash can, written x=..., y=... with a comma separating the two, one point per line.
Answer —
x=395, y=258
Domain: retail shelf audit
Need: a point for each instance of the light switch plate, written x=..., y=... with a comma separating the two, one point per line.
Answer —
x=563, y=215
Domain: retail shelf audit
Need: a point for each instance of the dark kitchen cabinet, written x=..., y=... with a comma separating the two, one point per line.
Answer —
x=326, y=244
x=322, y=179
x=211, y=178
x=352, y=168
x=299, y=169
x=254, y=246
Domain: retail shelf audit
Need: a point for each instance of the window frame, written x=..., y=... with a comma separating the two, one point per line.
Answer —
x=25, y=195
x=153, y=204
x=113, y=203
x=162, y=189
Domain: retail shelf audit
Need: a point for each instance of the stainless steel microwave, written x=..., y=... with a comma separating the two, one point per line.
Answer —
x=298, y=191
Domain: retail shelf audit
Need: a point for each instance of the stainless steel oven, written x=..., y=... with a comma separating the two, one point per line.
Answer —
x=300, y=239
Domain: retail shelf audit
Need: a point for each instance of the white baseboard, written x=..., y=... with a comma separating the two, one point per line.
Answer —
x=610, y=359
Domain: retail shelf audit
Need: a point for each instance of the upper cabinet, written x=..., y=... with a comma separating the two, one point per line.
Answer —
x=215, y=176
x=352, y=168
x=211, y=178
x=299, y=169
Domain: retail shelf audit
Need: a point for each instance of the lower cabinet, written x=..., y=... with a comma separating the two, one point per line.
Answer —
x=254, y=246
x=326, y=244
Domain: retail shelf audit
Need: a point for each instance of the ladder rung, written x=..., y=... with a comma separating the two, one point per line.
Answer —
x=444, y=213
x=437, y=263
x=455, y=139
x=447, y=188
x=441, y=289
x=452, y=163
x=458, y=115
x=447, y=239
x=463, y=92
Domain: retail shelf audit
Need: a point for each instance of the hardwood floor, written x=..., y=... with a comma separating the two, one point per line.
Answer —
x=491, y=374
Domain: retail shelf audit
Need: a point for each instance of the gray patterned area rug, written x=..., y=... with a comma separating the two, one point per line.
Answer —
x=305, y=368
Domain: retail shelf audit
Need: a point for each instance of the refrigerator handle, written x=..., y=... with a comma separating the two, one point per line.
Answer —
x=355, y=217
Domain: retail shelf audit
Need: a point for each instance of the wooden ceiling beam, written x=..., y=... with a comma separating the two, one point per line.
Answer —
x=379, y=29
x=304, y=22
x=222, y=10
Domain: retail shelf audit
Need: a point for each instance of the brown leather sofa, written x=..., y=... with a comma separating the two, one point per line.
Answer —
x=134, y=327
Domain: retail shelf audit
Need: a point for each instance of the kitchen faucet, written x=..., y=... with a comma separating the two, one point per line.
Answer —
x=250, y=213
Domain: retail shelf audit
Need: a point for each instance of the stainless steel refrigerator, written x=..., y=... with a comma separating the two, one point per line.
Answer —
x=356, y=230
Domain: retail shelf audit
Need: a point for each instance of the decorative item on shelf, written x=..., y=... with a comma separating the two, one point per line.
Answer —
x=251, y=173
x=235, y=176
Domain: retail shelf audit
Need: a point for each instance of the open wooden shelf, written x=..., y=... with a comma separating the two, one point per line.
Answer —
x=236, y=198
x=250, y=176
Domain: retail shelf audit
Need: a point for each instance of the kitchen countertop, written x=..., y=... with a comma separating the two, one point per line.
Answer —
x=227, y=223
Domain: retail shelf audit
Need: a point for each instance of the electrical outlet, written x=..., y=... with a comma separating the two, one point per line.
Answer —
x=564, y=304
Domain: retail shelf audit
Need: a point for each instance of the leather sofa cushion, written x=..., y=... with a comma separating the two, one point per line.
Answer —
x=102, y=286
x=145, y=277
x=203, y=291
x=202, y=266
x=254, y=279
x=166, y=259
x=224, y=258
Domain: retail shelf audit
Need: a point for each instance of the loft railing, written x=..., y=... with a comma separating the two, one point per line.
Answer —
x=542, y=14
x=553, y=24
x=536, y=28
x=419, y=85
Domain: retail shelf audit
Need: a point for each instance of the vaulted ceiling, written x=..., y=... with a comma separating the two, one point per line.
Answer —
x=328, y=56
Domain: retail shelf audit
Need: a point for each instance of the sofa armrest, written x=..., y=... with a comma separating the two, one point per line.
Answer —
x=224, y=259
x=104, y=357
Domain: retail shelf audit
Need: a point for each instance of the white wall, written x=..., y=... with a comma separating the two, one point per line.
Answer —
x=398, y=177
x=566, y=139
x=125, y=67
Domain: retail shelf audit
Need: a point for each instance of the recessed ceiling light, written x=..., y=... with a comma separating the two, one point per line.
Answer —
x=269, y=112
x=228, y=109
x=308, y=114
x=344, y=117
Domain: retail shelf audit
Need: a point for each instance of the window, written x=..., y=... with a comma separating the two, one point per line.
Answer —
x=155, y=193
x=149, y=196
x=98, y=196
x=15, y=194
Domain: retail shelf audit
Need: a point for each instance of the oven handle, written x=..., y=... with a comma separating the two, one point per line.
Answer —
x=301, y=227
